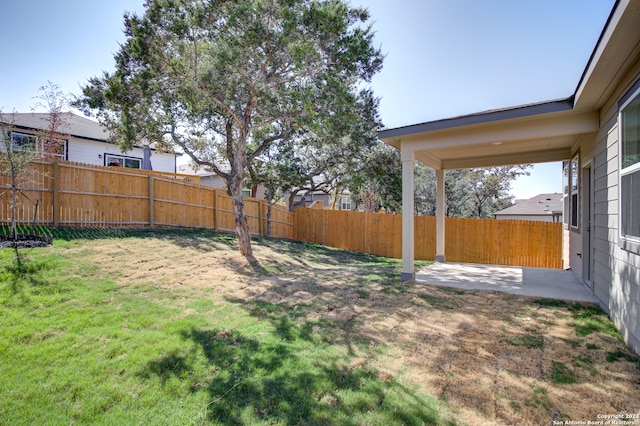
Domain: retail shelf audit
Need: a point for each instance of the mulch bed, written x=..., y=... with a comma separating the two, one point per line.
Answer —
x=25, y=241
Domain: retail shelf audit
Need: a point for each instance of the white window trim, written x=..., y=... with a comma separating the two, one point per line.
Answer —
x=572, y=192
x=122, y=157
x=626, y=243
x=38, y=148
x=345, y=202
x=36, y=141
x=566, y=165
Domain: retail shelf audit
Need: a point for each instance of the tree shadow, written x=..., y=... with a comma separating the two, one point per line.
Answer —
x=173, y=365
x=265, y=381
x=21, y=271
x=200, y=239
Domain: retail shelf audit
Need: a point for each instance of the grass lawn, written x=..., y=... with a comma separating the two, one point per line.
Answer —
x=174, y=327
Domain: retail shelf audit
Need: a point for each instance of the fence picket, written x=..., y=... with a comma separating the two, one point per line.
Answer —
x=502, y=242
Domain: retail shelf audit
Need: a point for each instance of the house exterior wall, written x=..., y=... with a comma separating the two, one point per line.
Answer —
x=86, y=151
x=212, y=180
x=616, y=272
x=218, y=182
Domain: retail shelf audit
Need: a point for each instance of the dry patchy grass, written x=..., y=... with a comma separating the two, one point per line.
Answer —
x=491, y=358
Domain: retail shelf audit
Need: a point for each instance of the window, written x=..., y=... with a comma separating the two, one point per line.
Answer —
x=121, y=161
x=573, y=184
x=23, y=142
x=57, y=148
x=33, y=144
x=629, y=124
x=246, y=192
x=345, y=202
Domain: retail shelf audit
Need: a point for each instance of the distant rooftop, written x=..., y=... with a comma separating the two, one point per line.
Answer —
x=540, y=205
x=78, y=126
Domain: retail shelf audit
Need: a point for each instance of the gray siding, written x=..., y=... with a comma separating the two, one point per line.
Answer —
x=616, y=272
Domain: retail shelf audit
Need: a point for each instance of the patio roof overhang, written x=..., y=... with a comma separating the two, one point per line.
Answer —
x=534, y=133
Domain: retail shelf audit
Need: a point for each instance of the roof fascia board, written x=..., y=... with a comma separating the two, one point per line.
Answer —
x=612, y=22
x=480, y=118
x=543, y=127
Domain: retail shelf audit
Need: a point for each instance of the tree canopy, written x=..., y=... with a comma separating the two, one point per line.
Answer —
x=224, y=80
x=478, y=192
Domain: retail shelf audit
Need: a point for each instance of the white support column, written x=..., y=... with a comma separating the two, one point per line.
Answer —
x=440, y=255
x=408, y=242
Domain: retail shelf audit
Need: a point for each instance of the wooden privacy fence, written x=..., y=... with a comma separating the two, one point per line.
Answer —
x=487, y=241
x=81, y=195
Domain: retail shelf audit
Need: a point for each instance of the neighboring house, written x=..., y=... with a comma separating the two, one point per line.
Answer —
x=86, y=142
x=319, y=196
x=344, y=201
x=543, y=207
x=596, y=132
x=211, y=178
x=332, y=200
x=208, y=178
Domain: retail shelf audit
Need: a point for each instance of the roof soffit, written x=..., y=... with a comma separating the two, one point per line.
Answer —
x=617, y=50
x=528, y=128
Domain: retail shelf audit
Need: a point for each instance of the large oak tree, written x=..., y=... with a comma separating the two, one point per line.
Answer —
x=224, y=80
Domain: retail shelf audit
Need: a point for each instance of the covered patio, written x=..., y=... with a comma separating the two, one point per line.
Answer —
x=536, y=133
x=535, y=282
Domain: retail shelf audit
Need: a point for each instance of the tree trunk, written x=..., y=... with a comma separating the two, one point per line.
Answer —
x=14, y=201
x=292, y=197
x=235, y=184
x=301, y=202
x=242, y=226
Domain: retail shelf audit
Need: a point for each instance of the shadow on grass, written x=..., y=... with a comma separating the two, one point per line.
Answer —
x=273, y=381
x=185, y=237
x=20, y=271
x=173, y=365
x=587, y=318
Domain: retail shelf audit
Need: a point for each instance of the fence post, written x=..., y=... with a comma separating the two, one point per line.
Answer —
x=56, y=200
x=215, y=209
x=261, y=227
x=151, y=202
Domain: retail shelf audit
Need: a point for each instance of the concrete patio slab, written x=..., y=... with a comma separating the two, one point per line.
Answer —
x=537, y=282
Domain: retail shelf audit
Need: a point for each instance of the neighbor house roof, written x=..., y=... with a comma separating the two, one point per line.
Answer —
x=540, y=205
x=78, y=126
x=75, y=125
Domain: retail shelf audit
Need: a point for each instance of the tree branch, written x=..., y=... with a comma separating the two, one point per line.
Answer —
x=229, y=143
x=265, y=144
x=176, y=139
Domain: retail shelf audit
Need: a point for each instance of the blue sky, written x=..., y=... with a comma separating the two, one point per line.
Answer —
x=444, y=57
